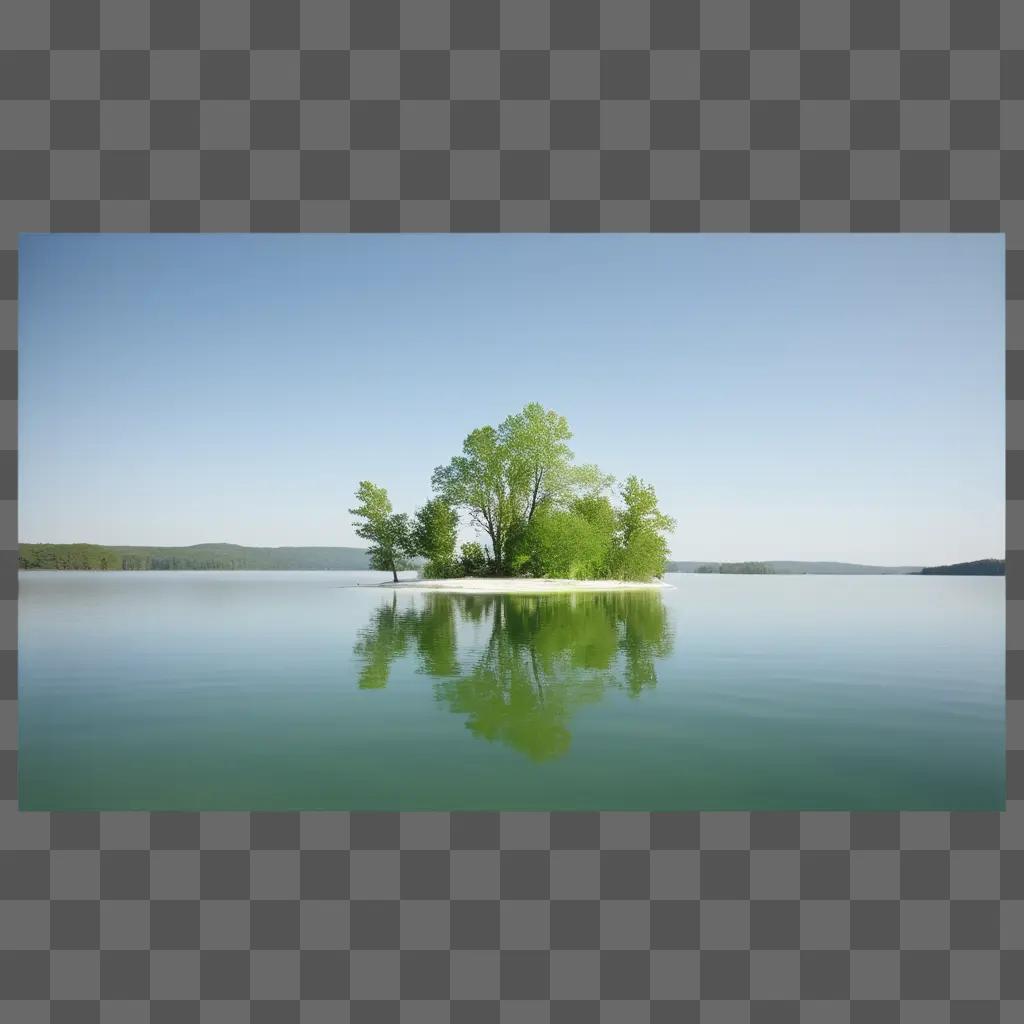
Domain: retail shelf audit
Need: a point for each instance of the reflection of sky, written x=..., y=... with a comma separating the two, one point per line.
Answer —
x=807, y=397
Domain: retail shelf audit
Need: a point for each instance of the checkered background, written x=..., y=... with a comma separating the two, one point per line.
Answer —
x=520, y=115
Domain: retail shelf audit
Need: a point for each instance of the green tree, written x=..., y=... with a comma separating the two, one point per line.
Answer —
x=473, y=559
x=542, y=468
x=506, y=474
x=434, y=530
x=478, y=481
x=574, y=542
x=387, y=531
x=641, y=549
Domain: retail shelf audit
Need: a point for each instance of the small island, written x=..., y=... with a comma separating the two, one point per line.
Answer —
x=548, y=523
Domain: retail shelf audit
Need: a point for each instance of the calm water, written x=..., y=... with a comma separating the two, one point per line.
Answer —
x=302, y=690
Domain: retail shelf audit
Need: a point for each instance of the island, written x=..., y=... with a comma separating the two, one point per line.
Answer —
x=539, y=514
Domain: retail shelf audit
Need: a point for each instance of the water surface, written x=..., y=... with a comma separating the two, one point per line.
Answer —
x=275, y=690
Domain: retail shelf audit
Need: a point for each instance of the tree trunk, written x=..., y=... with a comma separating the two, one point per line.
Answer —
x=537, y=477
x=496, y=545
x=394, y=572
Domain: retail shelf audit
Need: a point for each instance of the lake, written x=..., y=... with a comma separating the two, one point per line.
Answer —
x=318, y=690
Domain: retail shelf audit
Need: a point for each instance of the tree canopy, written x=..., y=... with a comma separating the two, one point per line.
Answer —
x=505, y=474
x=435, y=529
x=389, y=532
x=541, y=512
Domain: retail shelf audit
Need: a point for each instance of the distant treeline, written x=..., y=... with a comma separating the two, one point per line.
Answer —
x=198, y=556
x=753, y=568
x=68, y=556
x=787, y=568
x=983, y=567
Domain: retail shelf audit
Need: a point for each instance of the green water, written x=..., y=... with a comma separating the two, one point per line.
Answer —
x=274, y=690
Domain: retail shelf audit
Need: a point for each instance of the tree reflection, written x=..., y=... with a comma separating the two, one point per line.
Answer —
x=383, y=641
x=543, y=657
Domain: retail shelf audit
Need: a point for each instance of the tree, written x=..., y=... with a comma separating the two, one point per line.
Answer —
x=506, y=474
x=434, y=530
x=643, y=558
x=597, y=535
x=641, y=549
x=387, y=531
x=574, y=542
x=541, y=462
x=478, y=481
x=474, y=559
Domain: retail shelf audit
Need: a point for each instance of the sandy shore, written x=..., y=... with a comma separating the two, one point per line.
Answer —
x=487, y=585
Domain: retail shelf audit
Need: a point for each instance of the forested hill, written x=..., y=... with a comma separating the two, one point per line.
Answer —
x=811, y=568
x=983, y=567
x=197, y=556
x=67, y=556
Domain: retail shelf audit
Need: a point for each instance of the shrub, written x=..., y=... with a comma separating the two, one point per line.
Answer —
x=474, y=560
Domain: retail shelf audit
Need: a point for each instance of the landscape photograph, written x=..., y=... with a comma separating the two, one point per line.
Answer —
x=511, y=522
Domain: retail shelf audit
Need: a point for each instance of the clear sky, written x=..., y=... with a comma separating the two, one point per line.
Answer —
x=833, y=397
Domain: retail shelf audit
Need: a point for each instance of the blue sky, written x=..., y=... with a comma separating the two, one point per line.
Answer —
x=789, y=396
